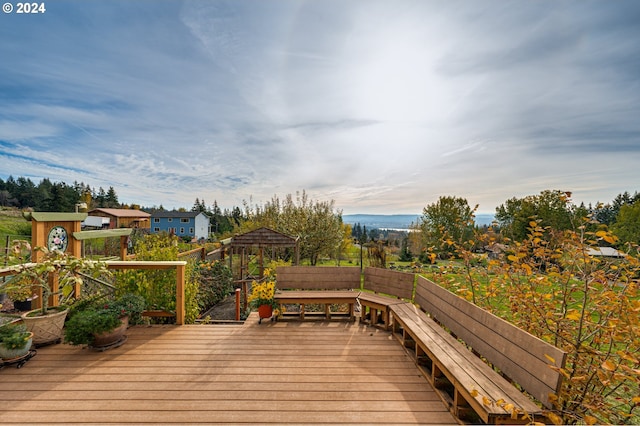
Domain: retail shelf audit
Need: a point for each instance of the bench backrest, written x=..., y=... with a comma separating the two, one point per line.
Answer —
x=517, y=353
x=386, y=281
x=317, y=278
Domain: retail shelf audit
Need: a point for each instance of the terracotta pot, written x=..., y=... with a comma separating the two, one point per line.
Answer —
x=265, y=311
x=109, y=338
x=6, y=353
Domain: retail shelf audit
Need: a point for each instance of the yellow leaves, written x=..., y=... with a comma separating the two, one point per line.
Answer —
x=610, y=238
x=590, y=420
x=628, y=357
x=636, y=400
x=573, y=315
x=551, y=359
x=555, y=419
x=474, y=393
x=608, y=366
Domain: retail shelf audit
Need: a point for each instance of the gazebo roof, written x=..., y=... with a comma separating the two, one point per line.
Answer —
x=264, y=237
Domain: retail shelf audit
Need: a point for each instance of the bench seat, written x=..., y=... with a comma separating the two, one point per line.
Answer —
x=377, y=304
x=463, y=379
x=323, y=297
x=382, y=288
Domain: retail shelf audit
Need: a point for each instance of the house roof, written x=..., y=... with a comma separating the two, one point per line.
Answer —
x=175, y=213
x=605, y=252
x=122, y=212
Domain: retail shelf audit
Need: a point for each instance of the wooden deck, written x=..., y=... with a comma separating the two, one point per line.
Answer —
x=286, y=372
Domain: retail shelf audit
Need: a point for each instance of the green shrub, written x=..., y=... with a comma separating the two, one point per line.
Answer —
x=96, y=316
x=14, y=336
x=215, y=283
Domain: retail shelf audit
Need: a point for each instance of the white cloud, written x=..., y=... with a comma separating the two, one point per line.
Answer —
x=382, y=106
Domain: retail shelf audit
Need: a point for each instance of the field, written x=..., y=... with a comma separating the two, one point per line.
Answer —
x=13, y=226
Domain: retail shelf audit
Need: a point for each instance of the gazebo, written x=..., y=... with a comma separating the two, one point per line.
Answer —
x=261, y=239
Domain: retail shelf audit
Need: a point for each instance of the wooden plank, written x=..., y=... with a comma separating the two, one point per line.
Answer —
x=386, y=281
x=301, y=372
x=317, y=278
x=209, y=415
x=376, y=303
x=465, y=371
x=520, y=355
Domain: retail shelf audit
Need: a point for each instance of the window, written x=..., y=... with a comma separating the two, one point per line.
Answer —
x=191, y=230
x=170, y=219
x=181, y=230
x=156, y=229
x=156, y=220
x=184, y=220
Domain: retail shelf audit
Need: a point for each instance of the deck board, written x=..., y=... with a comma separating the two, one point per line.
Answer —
x=319, y=372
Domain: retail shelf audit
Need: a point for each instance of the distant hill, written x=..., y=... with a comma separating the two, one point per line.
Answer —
x=399, y=221
x=371, y=221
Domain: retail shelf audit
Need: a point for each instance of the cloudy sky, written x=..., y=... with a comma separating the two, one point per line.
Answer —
x=382, y=106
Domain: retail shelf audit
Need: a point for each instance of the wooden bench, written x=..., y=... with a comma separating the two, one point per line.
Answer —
x=464, y=380
x=381, y=289
x=305, y=285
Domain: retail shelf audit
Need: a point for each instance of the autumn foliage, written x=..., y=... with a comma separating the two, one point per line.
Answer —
x=554, y=285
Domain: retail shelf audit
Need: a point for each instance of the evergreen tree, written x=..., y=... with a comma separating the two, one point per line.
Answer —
x=405, y=253
x=111, y=199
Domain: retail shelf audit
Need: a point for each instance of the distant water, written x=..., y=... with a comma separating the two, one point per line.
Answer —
x=399, y=221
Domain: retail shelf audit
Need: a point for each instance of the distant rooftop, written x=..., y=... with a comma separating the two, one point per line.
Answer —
x=122, y=212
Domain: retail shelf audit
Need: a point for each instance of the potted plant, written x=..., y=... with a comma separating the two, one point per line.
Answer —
x=47, y=322
x=20, y=291
x=262, y=296
x=101, y=323
x=15, y=341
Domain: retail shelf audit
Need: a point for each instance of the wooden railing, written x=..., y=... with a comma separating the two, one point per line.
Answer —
x=179, y=265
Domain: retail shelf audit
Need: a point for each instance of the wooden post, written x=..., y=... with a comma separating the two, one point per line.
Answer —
x=237, y=304
x=54, y=285
x=244, y=294
x=124, y=240
x=180, y=311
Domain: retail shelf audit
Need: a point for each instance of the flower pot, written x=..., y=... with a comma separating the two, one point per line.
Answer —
x=265, y=311
x=45, y=328
x=111, y=338
x=6, y=353
x=22, y=305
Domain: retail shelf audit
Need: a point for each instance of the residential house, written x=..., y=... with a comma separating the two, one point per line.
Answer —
x=123, y=218
x=182, y=224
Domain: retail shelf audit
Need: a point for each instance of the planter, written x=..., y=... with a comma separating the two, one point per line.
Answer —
x=265, y=311
x=113, y=338
x=6, y=319
x=46, y=329
x=7, y=354
x=22, y=305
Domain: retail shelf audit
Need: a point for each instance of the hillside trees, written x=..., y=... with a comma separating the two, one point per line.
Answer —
x=53, y=196
x=449, y=219
x=318, y=224
x=627, y=225
x=552, y=207
x=551, y=286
